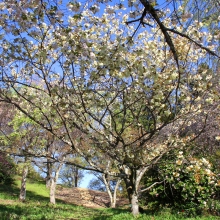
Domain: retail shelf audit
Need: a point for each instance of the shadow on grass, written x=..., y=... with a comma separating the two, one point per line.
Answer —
x=9, y=191
x=109, y=213
x=37, y=207
x=30, y=211
x=10, y=212
x=32, y=196
x=12, y=192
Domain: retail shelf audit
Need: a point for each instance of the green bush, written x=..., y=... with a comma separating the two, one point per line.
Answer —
x=188, y=184
x=7, y=169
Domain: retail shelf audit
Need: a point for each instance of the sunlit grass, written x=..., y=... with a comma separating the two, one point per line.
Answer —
x=37, y=188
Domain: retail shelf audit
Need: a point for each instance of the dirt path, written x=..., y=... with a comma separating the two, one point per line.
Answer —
x=86, y=197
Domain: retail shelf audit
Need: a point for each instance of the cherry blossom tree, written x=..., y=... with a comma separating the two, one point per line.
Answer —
x=116, y=83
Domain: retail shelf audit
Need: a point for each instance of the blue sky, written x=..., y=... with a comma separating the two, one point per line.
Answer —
x=86, y=179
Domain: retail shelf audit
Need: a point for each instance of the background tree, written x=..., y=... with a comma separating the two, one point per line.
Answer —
x=71, y=176
x=97, y=183
x=50, y=161
x=105, y=182
x=16, y=137
x=31, y=143
x=23, y=136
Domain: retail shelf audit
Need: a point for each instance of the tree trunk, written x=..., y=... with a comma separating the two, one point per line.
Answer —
x=76, y=177
x=113, y=205
x=113, y=196
x=132, y=183
x=49, y=173
x=52, y=191
x=106, y=182
x=132, y=195
x=53, y=183
x=134, y=204
x=22, y=195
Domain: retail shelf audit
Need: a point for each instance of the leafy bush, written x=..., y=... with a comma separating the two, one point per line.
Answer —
x=7, y=169
x=188, y=184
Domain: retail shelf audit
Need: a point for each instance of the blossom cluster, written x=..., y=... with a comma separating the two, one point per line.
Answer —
x=77, y=68
x=194, y=177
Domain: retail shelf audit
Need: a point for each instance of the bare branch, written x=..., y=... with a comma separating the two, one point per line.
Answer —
x=151, y=186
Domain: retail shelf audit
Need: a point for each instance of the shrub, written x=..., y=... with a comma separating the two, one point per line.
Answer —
x=7, y=169
x=189, y=183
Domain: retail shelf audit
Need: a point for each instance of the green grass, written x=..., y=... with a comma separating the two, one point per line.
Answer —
x=37, y=207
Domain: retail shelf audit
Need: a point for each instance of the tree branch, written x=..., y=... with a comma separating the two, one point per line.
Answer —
x=149, y=187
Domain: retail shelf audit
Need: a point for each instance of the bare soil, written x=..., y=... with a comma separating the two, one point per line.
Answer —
x=86, y=197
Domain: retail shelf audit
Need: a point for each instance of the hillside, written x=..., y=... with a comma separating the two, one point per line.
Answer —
x=75, y=203
x=77, y=196
x=86, y=197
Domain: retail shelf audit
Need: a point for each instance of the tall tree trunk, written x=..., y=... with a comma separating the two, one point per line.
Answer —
x=132, y=183
x=132, y=195
x=107, y=186
x=22, y=195
x=76, y=177
x=129, y=189
x=113, y=205
x=52, y=191
x=112, y=196
x=134, y=204
x=49, y=173
x=53, y=183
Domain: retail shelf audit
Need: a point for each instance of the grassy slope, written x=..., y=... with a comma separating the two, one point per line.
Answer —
x=37, y=207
